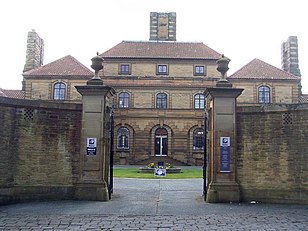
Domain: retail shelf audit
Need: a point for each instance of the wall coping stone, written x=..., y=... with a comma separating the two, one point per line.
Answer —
x=40, y=104
x=271, y=108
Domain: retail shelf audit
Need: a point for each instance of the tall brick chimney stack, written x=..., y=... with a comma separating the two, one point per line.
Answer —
x=289, y=56
x=35, y=51
x=163, y=26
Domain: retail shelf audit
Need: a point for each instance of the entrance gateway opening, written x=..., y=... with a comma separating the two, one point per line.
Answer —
x=222, y=187
x=161, y=142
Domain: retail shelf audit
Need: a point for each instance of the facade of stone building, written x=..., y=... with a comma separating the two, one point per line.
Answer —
x=159, y=106
x=266, y=84
x=159, y=110
x=56, y=80
x=159, y=103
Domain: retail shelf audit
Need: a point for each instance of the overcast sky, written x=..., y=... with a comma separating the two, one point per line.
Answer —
x=240, y=29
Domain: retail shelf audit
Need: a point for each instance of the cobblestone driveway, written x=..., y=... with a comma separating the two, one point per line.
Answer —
x=153, y=205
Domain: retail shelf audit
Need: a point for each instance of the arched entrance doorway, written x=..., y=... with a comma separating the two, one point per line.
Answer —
x=161, y=142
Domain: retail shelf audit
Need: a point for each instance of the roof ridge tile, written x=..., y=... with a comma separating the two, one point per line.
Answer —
x=161, y=49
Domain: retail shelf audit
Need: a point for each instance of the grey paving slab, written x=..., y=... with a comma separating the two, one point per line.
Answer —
x=158, y=204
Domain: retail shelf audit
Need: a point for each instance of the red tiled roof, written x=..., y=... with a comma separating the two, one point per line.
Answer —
x=303, y=98
x=66, y=66
x=257, y=69
x=151, y=49
x=17, y=94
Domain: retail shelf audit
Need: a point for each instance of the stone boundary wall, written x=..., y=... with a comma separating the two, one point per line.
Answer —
x=40, y=145
x=272, y=149
x=39, y=149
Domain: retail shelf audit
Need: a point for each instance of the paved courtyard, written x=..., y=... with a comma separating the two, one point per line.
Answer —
x=159, y=204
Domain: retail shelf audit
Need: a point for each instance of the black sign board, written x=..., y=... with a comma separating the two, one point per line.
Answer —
x=91, y=146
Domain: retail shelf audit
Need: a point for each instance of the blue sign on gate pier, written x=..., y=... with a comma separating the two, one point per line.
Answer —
x=225, y=154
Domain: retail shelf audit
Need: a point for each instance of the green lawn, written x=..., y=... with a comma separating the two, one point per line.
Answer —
x=133, y=173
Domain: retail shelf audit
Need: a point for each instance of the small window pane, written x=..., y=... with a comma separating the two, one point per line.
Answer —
x=123, y=138
x=161, y=100
x=162, y=69
x=199, y=101
x=199, y=70
x=264, y=94
x=59, y=91
x=161, y=132
x=198, y=139
x=123, y=100
x=124, y=69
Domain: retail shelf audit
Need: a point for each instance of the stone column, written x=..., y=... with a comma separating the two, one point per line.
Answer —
x=95, y=137
x=222, y=178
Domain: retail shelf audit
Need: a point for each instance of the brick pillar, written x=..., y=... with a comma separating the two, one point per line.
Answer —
x=94, y=157
x=222, y=179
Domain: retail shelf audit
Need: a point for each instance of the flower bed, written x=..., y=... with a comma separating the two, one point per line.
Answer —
x=151, y=167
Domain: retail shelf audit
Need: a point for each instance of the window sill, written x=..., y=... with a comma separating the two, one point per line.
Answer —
x=124, y=73
x=122, y=149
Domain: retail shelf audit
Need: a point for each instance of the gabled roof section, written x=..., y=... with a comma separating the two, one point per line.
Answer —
x=66, y=66
x=257, y=69
x=17, y=94
x=166, y=49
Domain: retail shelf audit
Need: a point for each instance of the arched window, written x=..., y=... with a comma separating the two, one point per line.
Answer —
x=123, y=138
x=199, y=101
x=198, y=139
x=264, y=94
x=161, y=100
x=123, y=100
x=59, y=91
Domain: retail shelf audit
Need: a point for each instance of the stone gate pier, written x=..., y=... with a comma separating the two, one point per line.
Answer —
x=221, y=110
x=93, y=177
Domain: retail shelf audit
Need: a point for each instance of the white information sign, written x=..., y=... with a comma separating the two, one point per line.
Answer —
x=160, y=172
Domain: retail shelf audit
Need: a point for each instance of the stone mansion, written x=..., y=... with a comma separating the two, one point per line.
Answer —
x=159, y=104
